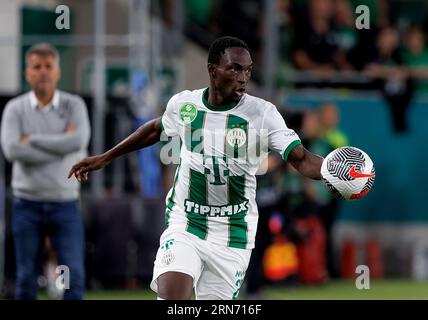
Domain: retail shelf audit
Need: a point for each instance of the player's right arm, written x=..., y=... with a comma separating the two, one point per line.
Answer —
x=286, y=142
x=306, y=162
x=146, y=135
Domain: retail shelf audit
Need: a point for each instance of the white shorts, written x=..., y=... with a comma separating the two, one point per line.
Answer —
x=217, y=271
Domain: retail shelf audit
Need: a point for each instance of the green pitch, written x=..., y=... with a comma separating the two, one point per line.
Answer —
x=334, y=290
x=346, y=290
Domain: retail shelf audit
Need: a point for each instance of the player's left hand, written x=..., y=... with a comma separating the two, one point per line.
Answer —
x=81, y=169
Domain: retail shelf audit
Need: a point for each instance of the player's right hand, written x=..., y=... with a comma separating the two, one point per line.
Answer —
x=81, y=169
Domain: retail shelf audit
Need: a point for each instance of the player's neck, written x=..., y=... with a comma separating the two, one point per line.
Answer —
x=214, y=98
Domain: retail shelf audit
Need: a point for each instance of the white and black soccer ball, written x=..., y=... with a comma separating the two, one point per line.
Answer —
x=348, y=173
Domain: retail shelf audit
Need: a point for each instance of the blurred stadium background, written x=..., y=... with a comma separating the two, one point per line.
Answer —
x=126, y=58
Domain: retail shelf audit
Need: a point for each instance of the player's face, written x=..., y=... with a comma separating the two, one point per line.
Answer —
x=42, y=73
x=233, y=73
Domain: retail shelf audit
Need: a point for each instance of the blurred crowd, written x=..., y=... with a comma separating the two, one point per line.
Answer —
x=325, y=39
x=321, y=35
x=320, y=45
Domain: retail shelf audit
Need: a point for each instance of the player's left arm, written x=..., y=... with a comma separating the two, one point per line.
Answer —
x=307, y=163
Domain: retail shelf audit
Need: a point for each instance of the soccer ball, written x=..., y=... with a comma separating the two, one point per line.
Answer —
x=348, y=173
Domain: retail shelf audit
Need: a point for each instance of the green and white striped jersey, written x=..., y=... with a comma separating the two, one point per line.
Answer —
x=213, y=195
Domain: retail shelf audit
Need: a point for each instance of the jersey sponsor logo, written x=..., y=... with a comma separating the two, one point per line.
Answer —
x=236, y=137
x=354, y=174
x=216, y=169
x=215, y=211
x=188, y=112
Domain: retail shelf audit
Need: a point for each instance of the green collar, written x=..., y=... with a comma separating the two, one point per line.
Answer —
x=216, y=108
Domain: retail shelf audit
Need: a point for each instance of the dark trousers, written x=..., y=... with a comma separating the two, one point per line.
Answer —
x=61, y=221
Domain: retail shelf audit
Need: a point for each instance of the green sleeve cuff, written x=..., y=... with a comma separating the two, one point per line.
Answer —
x=290, y=147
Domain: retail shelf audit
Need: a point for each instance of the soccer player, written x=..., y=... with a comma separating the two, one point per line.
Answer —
x=211, y=213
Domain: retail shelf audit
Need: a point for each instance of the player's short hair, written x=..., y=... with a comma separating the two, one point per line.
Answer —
x=219, y=45
x=42, y=49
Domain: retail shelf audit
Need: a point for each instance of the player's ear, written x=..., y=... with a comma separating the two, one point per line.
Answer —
x=212, y=69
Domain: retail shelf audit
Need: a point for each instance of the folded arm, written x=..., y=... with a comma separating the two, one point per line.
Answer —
x=12, y=147
x=75, y=137
x=16, y=151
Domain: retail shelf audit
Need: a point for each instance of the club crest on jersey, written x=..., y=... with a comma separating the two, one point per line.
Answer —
x=168, y=257
x=188, y=112
x=236, y=137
